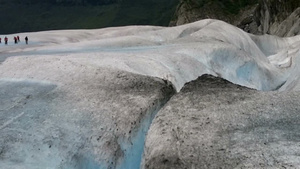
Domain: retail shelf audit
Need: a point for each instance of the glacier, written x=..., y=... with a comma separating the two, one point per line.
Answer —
x=75, y=99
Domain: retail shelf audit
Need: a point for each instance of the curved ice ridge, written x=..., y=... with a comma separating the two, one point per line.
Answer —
x=180, y=54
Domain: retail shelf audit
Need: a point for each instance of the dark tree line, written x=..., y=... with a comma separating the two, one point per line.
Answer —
x=84, y=2
x=62, y=2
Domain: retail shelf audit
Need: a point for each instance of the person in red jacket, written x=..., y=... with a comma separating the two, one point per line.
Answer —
x=0, y=40
x=18, y=38
x=5, y=40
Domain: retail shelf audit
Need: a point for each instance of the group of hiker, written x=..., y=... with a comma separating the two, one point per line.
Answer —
x=16, y=40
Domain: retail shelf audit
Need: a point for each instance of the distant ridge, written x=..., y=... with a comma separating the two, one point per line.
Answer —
x=39, y=15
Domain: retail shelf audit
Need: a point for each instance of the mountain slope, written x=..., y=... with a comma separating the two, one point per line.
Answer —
x=259, y=17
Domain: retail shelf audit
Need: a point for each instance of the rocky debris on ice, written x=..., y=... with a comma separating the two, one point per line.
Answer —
x=212, y=123
x=89, y=122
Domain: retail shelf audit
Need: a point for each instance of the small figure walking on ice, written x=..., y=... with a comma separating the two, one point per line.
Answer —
x=18, y=38
x=5, y=40
x=26, y=40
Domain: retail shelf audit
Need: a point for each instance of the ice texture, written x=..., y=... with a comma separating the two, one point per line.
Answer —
x=85, y=98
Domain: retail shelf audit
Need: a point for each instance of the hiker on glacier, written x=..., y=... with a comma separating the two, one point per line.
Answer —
x=26, y=40
x=16, y=40
x=5, y=40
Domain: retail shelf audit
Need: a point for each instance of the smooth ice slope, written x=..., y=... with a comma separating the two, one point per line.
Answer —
x=179, y=54
x=78, y=98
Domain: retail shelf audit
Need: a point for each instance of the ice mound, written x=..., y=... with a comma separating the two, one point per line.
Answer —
x=178, y=54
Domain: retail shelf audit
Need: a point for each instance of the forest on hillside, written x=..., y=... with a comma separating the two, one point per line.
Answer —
x=39, y=15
